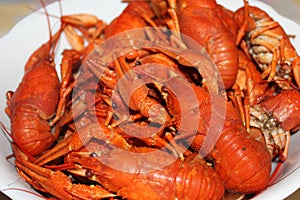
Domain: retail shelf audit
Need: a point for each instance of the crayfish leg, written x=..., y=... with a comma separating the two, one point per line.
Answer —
x=71, y=58
x=78, y=139
x=56, y=182
x=296, y=70
x=89, y=192
x=242, y=30
x=43, y=52
x=43, y=179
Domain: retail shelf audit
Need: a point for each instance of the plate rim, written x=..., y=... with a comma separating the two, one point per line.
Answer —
x=272, y=12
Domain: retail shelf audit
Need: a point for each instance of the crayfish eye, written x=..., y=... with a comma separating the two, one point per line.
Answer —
x=89, y=173
x=164, y=89
x=93, y=155
x=114, y=105
x=137, y=63
x=50, y=59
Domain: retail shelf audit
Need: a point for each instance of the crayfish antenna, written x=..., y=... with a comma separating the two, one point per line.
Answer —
x=282, y=158
x=8, y=135
x=241, y=31
x=275, y=174
x=10, y=138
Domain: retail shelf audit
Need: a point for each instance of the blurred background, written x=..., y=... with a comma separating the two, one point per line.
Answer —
x=11, y=11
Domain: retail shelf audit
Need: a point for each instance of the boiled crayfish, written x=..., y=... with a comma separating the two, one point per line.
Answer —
x=95, y=135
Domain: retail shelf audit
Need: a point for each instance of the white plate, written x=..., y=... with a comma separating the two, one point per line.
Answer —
x=32, y=31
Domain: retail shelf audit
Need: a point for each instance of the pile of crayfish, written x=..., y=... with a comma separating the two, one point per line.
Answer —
x=171, y=100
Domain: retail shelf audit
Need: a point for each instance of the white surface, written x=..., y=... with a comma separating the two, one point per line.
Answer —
x=32, y=31
x=287, y=8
